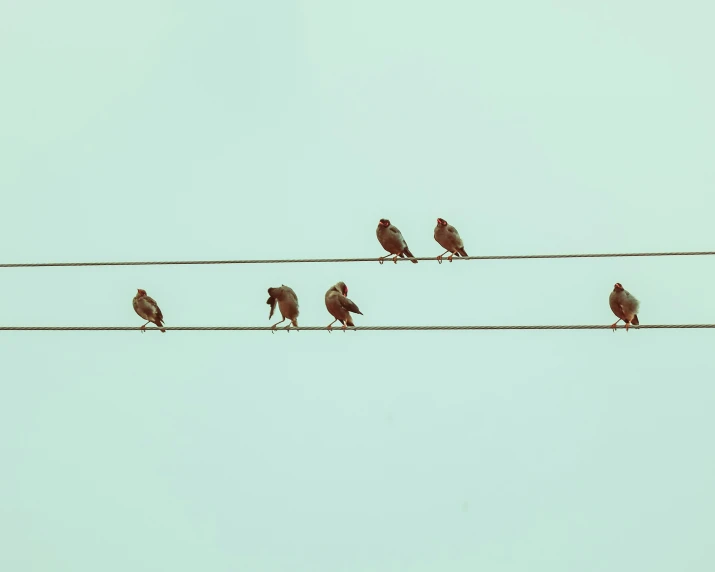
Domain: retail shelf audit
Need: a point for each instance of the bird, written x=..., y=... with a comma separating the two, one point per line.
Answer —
x=448, y=237
x=287, y=302
x=392, y=240
x=340, y=306
x=624, y=305
x=148, y=309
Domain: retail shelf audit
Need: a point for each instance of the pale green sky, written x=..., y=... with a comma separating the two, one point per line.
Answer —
x=173, y=130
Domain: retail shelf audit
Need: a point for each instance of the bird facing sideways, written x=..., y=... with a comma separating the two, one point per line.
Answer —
x=624, y=305
x=148, y=310
x=287, y=301
x=340, y=306
x=392, y=240
x=448, y=237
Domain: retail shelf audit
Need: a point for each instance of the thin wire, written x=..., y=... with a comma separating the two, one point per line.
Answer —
x=365, y=328
x=388, y=259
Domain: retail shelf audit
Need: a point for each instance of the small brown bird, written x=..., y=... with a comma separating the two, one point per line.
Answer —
x=624, y=305
x=287, y=302
x=448, y=237
x=392, y=240
x=340, y=306
x=148, y=309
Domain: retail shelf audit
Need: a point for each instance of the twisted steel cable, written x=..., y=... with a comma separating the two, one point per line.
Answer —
x=338, y=328
x=388, y=258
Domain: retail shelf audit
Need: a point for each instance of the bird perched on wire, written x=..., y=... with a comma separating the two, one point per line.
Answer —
x=148, y=309
x=392, y=240
x=340, y=306
x=287, y=302
x=448, y=237
x=624, y=305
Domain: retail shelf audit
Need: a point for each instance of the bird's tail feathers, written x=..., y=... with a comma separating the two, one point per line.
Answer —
x=634, y=321
x=349, y=322
x=407, y=252
x=159, y=324
x=462, y=252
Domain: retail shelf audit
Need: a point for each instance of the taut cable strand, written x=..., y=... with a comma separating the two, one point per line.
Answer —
x=365, y=328
x=388, y=258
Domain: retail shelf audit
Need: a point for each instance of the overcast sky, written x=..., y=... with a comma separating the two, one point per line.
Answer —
x=157, y=130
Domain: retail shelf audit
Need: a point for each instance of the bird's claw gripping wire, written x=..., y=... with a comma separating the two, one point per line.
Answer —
x=439, y=258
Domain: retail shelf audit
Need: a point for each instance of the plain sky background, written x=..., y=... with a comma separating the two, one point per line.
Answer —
x=150, y=130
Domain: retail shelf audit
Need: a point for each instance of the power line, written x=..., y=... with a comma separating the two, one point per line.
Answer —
x=338, y=328
x=326, y=260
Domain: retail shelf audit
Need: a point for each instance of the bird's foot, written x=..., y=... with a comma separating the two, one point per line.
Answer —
x=395, y=259
x=613, y=326
x=439, y=259
x=628, y=325
x=450, y=257
x=381, y=259
x=330, y=328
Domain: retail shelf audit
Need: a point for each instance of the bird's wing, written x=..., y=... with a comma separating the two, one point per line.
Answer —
x=155, y=306
x=348, y=304
x=396, y=232
x=455, y=234
x=272, y=303
x=615, y=304
x=291, y=293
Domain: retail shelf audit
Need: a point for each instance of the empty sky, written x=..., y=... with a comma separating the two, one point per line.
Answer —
x=156, y=130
